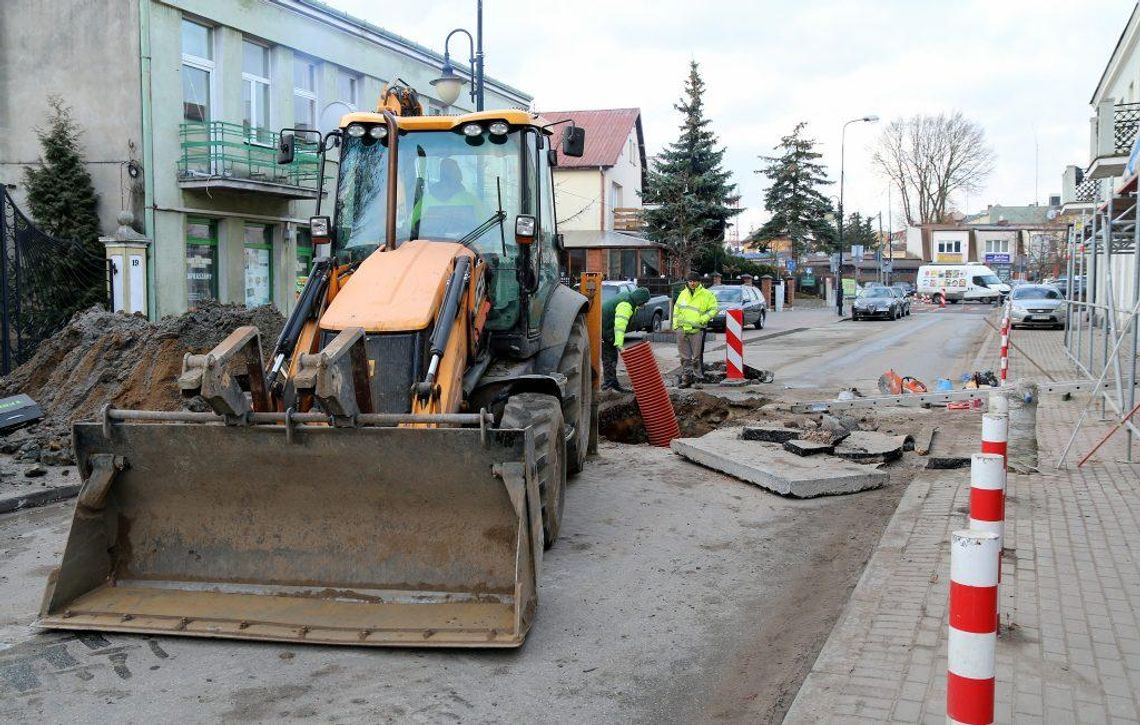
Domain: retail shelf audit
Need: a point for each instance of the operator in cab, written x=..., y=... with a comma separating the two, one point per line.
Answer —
x=616, y=315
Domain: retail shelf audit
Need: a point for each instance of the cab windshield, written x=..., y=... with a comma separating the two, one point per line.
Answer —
x=448, y=185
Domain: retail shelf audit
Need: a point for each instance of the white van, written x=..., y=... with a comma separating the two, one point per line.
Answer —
x=974, y=281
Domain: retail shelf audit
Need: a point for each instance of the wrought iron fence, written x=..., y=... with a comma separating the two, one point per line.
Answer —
x=43, y=282
x=1125, y=121
x=232, y=150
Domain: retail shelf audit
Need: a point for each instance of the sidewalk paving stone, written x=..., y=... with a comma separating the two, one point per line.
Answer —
x=1068, y=600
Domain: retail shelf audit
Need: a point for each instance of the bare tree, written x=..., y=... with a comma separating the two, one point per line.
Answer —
x=930, y=158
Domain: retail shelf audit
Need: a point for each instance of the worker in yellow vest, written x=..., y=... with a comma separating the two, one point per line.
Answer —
x=695, y=308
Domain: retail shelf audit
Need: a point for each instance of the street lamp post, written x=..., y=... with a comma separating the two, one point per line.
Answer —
x=449, y=82
x=842, y=158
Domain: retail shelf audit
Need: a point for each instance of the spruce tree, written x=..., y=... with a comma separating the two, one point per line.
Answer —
x=799, y=209
x=858, y=231
x=61, y=196
x=692, y=194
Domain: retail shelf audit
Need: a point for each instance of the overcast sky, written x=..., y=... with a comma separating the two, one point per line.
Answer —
x=1024, y=70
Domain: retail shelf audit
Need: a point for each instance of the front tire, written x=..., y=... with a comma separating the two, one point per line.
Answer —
x=760, y=320
x=655, y=326
x=578, y=403
x=543, y=414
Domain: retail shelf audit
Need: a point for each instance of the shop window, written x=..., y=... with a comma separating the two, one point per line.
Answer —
x=304, y=257
x=201, y=261
x=650, y=263
x=258, y=250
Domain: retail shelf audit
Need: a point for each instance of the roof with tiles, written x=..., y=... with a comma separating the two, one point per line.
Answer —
x=606, y=133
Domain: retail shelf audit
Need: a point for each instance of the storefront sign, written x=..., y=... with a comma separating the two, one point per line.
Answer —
x=997, y=259
x=948, y=258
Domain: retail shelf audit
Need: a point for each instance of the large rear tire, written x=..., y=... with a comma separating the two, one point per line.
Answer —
x=577, y=403
x=543, y=415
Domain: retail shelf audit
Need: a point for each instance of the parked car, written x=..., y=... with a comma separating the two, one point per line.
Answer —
x=905, y=287
x=1062, y=285
x=904, y=301
x=1033, y=305
x=748, y=299
x=877, y=302
x=650, y=316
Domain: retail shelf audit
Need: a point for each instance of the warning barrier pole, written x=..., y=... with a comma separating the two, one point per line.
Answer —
x=995, y=435
x=973, y=627
x=1005, y=325
x=734, y=347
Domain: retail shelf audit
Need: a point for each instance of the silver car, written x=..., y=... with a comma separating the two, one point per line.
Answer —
x=1033, y=305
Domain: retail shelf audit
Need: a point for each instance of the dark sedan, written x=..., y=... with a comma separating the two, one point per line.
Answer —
x=748, y=299
x=877, y=302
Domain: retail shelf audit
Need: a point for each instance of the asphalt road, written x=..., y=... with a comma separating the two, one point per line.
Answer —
x=675, y=595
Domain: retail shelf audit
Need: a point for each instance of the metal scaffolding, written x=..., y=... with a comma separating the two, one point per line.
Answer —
x=1103, y=294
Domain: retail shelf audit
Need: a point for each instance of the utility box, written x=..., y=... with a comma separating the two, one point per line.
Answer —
x=128, y=276
x=127, y=253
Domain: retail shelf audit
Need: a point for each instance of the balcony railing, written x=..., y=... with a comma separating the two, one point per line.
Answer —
x=628, y=219
x=1125, y=121
x=231, y=151
x=1088, y=191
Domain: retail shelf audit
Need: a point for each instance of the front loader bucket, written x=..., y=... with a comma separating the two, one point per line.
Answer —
x=383, y=536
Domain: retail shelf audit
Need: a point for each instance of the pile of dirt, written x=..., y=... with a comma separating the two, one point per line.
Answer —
x=103, y=357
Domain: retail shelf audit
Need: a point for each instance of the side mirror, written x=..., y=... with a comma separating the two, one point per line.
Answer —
x=574, y=141
x=286, y=148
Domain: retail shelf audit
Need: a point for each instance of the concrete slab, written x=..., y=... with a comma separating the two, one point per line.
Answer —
x=769, y=433
x=870, y=447
x=924, y=440
x=802, y=447
x=770, y=467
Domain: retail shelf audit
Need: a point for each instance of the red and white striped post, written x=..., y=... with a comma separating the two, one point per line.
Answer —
x=987, y=496
x=973, y=627
x=995, y=435
x=734, y=344
x=1005, y=346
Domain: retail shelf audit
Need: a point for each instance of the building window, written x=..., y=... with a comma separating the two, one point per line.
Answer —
x=997, y=246
x=575, y=263
x=950, y=246
x=304, y=257
x=436, y=108
x=632, y=152
x=255, y=90
x=201, y=261
x=304, y=93
x=197, y=65
x=348, y=88
x=634, y=263
x=258, y=264
x=617, y=198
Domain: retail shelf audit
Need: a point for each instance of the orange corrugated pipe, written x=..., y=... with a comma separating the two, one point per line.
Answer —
x=652, y=398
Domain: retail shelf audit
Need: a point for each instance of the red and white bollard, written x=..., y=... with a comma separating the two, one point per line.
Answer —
x=995, y=435
x=734, y=344
x=987, y=496
x=973, y=627
x=942, y=298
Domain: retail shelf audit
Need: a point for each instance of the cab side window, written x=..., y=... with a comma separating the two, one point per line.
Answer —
x=979, y=282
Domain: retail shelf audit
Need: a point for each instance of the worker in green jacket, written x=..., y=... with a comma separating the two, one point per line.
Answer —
x=616, y=315
x=694, y=309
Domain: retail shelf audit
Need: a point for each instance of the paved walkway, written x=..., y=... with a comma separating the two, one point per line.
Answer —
x=1069, y=646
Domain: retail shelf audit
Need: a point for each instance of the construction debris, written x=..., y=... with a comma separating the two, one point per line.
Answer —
x=768, y=466
x=802, y=447
x=769, y=433
x=870, y=447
